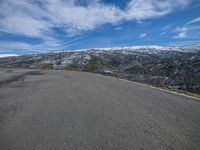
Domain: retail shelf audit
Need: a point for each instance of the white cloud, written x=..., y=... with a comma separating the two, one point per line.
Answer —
x=181, y=35
x=194, y=20
x=24, y=25
x=142, y=35
x=143, y=9
x=14, y=46
x=79, y=18
x=182, y=32
x=35, y=18
x=167, y=27
x=29, y=19
x=48, y=45
x=118, y=28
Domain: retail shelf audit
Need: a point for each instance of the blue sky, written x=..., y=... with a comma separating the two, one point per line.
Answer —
x=34, y=26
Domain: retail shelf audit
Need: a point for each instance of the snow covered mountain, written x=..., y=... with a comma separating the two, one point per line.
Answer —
x=7, y=55
x=177, y=66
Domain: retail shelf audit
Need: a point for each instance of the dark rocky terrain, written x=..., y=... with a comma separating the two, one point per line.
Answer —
x=177, y=67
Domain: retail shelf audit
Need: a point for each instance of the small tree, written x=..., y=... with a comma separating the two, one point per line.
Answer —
x=190, y=78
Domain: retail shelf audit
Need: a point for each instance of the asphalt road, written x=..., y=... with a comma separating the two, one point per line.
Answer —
x=63, y=110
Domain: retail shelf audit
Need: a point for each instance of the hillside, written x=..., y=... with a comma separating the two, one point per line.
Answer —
x=177, y=67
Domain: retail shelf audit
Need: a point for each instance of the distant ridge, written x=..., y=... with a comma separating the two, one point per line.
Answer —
x=185, y=48
x=8, y=55
x=177, y=66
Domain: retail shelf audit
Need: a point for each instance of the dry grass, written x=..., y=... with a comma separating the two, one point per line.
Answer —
x=182, y=92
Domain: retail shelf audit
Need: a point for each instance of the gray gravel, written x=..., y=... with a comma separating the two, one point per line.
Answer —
x=64, y=110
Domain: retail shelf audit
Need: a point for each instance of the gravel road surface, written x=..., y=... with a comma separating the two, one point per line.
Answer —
x=66, y=110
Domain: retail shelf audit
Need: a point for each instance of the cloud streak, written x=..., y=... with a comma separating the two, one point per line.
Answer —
x=39, y=19
x=187, y=28
x=142, y=35
x=35, y=17
x=195, y=20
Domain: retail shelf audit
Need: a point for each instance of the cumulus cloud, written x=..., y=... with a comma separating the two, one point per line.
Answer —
x=39, y=19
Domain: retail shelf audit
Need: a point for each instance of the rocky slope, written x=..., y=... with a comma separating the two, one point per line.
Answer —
x=160, y=66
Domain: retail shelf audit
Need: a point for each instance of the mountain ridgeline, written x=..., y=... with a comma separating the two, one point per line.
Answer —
x=177, y=67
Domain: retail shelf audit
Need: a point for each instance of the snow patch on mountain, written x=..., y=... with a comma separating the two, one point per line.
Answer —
x=8, y=55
